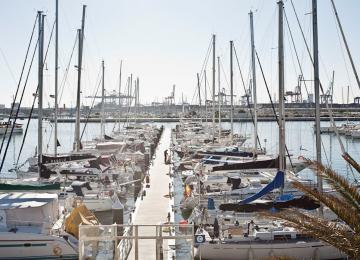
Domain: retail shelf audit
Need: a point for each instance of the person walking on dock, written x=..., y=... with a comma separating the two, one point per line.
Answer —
x=165, y=156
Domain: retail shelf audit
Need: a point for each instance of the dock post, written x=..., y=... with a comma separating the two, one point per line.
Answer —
x=136, y=243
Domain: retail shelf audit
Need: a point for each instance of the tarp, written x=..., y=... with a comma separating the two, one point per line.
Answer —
x=276, y=183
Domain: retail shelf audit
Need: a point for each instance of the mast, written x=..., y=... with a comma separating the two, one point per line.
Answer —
x=40, y=85
x=317, y=90
x=281, y=89
x=219, y=98
x=56, y=75
x=198, y=85
x=102, y=130
x=254, y=83
x=213, y=84
x=137, y=94
x=206, y=108
x=231, y=92
x=346, y=44
x=77, y=144
x=120, y=94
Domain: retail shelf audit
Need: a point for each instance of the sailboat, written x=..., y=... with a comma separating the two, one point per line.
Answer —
x=251, y=237
x=31, y=222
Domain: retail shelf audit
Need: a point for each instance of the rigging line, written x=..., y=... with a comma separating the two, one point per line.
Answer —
x=205, y=62
x=346, y=44
x=8, y=66
x=272, y=103
x=18, y=108
x=92, y=104
x=224, y=74
x=64, y=79
x=342, y=52
x=22, y=94
x=247, y=97
x=296, y=53
x=321, y=88
x=27, y=127
x=18, y=85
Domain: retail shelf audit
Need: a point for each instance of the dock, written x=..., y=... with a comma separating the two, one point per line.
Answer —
x=153, y=208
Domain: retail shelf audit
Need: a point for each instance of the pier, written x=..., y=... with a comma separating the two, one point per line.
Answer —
x=153, y=208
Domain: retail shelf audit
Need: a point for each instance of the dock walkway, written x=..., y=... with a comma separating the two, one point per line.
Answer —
x=154, y=207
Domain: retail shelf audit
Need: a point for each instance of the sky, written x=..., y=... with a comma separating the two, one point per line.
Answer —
x=165, y=42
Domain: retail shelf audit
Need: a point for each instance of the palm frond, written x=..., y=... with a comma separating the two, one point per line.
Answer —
x=332, y=233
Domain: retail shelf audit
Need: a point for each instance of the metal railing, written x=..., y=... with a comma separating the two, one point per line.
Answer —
x=117, y=241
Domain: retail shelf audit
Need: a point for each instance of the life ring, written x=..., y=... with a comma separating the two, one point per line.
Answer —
x=57, y=250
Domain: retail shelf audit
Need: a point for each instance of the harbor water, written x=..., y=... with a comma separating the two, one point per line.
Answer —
x=300, y=141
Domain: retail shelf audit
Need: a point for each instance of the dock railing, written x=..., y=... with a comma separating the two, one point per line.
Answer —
x=117, y=241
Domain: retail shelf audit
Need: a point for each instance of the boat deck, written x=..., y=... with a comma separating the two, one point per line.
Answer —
x=154, y=207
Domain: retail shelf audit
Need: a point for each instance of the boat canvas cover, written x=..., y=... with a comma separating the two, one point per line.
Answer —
x=276, y=183
x=79, y=215
x=29, y=208
x=110, y=145
x=256, y=164
x=28, y=186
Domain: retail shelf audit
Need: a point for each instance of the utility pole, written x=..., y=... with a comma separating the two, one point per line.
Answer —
x=56, y=75
x=282, y=163
x=231, y=92
x=40, y=85
x=213, y=83
x=254, y=83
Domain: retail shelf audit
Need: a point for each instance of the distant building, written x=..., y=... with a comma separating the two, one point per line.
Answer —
x=2, y=106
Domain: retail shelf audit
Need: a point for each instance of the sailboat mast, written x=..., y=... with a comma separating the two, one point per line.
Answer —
x=40, y=85
x=317, y=89
x=219, y=97
x=282, y=165
x=206, y=108
x=199, y=92
x=77, y=122
x=346, y=44
x=254, y=82
x=102, y=130
x=213, y=83
x=56, y=75
x=120, y=94
x=231, y=92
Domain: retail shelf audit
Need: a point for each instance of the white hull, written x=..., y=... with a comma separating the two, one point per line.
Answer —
x=35, y=246
x=239, y=251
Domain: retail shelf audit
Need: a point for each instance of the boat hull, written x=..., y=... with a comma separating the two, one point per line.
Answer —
x=239, y=251
x=35, y=246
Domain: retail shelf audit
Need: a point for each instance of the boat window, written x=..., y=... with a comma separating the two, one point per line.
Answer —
x=302, y=236
x=282, y=237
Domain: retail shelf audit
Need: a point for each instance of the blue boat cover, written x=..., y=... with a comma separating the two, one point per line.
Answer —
x=211, y=203
x=276, y=183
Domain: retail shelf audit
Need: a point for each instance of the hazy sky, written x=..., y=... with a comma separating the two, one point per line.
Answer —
x=164, y=42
